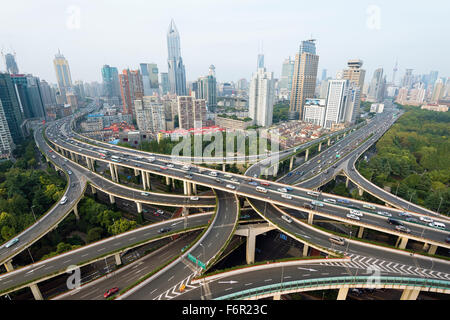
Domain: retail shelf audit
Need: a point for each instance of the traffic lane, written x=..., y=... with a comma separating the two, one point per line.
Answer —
x=48, y=221
x=134, y=271
x=363, y=249
x=220, y=231
x=92, y=251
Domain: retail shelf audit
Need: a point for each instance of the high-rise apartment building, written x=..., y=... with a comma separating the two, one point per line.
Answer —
x=111, y=84
x=438, y=90
x=131, y=89
x=48, y=94
x=304, y=78
x=337, y=100
x=315, y=111
x=62, y=71
x=191, y=112
x=207, y=88
x=11, y=107
x=261, y=97
x=176, y=71
x=408, y=79
x=150, y=114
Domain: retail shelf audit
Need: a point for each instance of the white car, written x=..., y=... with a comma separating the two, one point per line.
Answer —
x=286, y=218
x=356, y=213
x=230, y=186
x=384, y=213
x=352, y=216
x=286, y=196
x=213, y=174
x=145, y=193
x=194, y=198
x=169, y=165
x=329, y=200
x=282, y=190
x=426, y=219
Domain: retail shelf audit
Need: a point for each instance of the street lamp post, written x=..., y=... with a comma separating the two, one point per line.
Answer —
x=32, y=210
x=440, y=202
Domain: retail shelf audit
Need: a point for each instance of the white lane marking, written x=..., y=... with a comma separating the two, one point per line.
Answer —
x=84, y=255
x=170, y=278
x=247, y=284
x=101, y=249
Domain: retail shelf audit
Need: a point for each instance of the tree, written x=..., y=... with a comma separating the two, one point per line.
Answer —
x=94, y=234
x=121, y=225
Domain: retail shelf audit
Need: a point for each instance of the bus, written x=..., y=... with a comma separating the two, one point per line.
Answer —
x=261, y=189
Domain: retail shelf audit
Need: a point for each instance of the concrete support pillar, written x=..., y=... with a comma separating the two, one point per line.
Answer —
x=275, y=169
x=194, y=188
x=403, y=242
x=118, y=259
x=173, y=183
x=310, y=217
x=342, y=294
x=187, y=188
x=277, y=296
x=167, y=181
x=112, y=200
x=75, y=211
x=93, y=190
x=144, y=180
x=223, y=167
x=185, y=212
x=88, y=163
x=250, y=252
x=113, y=173
x=72, y=156
x=410, y=294
x=329, y=142
x=432, y=249
x=93, y=164
x=136, y=172
x=360, y=191
x=360, y=232
x=148, y=180
x=346, y=182
x=305, y=250
x=8, y=265
x=116, y=172
x=425, y=246
x=307, y=155
x=291, y=163
x=36, y=292
x=320, y=147
x=139, y=207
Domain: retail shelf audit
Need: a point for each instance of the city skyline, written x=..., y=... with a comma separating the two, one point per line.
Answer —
x=217, y=44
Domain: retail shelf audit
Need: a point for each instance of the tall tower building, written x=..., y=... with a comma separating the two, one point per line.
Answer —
x=176, y=71
x=394, y=72
x=165, y=84
x=11, y=107
x=111, y=84
x=408, y=79
x=29, y=95
x=337, y=100
x=260, y=61
x=6, y=142
x=150, y=81
x=207, y=88
x=376, y=88
x=11, y=64
x=261, y=97
x=355, y=75
x=131, y=88
x=287, y=72
x=304, y=78
x=62, y=71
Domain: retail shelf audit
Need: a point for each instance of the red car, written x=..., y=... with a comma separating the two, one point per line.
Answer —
x=265, y=183
x=110, y=292
x=163, y=168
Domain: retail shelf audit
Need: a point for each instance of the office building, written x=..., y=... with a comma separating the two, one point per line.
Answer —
x=354, y=73
x=206, y=89
x=111, y=83
x=324, y=74
x=260, y=61
x=131, y=89
x=150, y=81
x=191, y=112
x=261, y=97
x=47, y=93
x=285, y=83
x=304, y=78
x=62, y=71
x=11, y=64
x=408, y=79
x=176, y=71
x=337, y=100
x=165, y=84
x=376, y=88
x=6, y=143
x=29, y=95
x=11, y=107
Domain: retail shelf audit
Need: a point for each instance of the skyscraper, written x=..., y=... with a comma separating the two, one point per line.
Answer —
x=287, y=72
x=29, y=95
x=111, y=84
x=165, y=84
x=150, y=81
x=261, y=97
x=304, y=78
x=62, y=71
x=131, y=89
x=337, y=100
x=356, y=76
x=11, y=64
x=206, y=88
x=177, y=76
x=260, y=61
x=11, y=107
x=408, y=79
x=324, y=74
x=5, y=136
x=376, y=88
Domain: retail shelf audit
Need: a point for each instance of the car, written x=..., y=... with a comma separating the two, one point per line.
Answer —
x=213, y=174
x=164, y=230
x=352, y=216
x=230, y=186
x=356, y=212
x=227, y=176
x=69, y=172
x=194, y=198
x=163, y=168
x=218, y=180
x=426, y=219
x=138, y=165
x=402, y=229
x=411, y=219
x=329, y=200
x=53, y=156
x=188, y=176
x=312, y=193
x=282, y=190
x=65, y=160
x=395, y=222
x=404, y=214
x=63, y=200
x=12, y=242
x=159, y=211
x=438, y=225
x=286, y=218
x=286, y=196
x=235, y=180
x=317, y=203
x=110, y=292
x=384, y=213
x=265, y=183
x=186, y=167
x=145, y=193
x=253, y=183
x=308, y=206
x=170, y=165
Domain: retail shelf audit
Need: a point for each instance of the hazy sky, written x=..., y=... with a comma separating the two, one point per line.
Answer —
x=91, y=33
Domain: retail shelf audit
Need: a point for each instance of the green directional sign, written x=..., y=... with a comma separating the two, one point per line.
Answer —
x=196, y=261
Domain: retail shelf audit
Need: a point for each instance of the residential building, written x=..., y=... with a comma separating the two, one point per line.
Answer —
x=150, y=116
x=261, y=97
x=111, y=84
x=207, y=90
x=131, y=89
x=337, y=100
x=11, y=107
x=314, y=111
x=165, y=84
x=191, y=112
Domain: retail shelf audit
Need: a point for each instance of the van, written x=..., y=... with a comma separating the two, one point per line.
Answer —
x=436, y=224
x=63, y=200
x=338, y=240
x=261, y=189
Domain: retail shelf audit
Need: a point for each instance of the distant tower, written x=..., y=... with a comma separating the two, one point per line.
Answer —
x=260, y=62
x=62, y=71
x=10, y=62
x=176, y=70
x=394, y=72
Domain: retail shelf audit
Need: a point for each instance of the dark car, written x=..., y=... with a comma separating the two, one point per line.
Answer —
x=395, y=222
x=110, y=292
x=164, y=230
x=308, y=206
